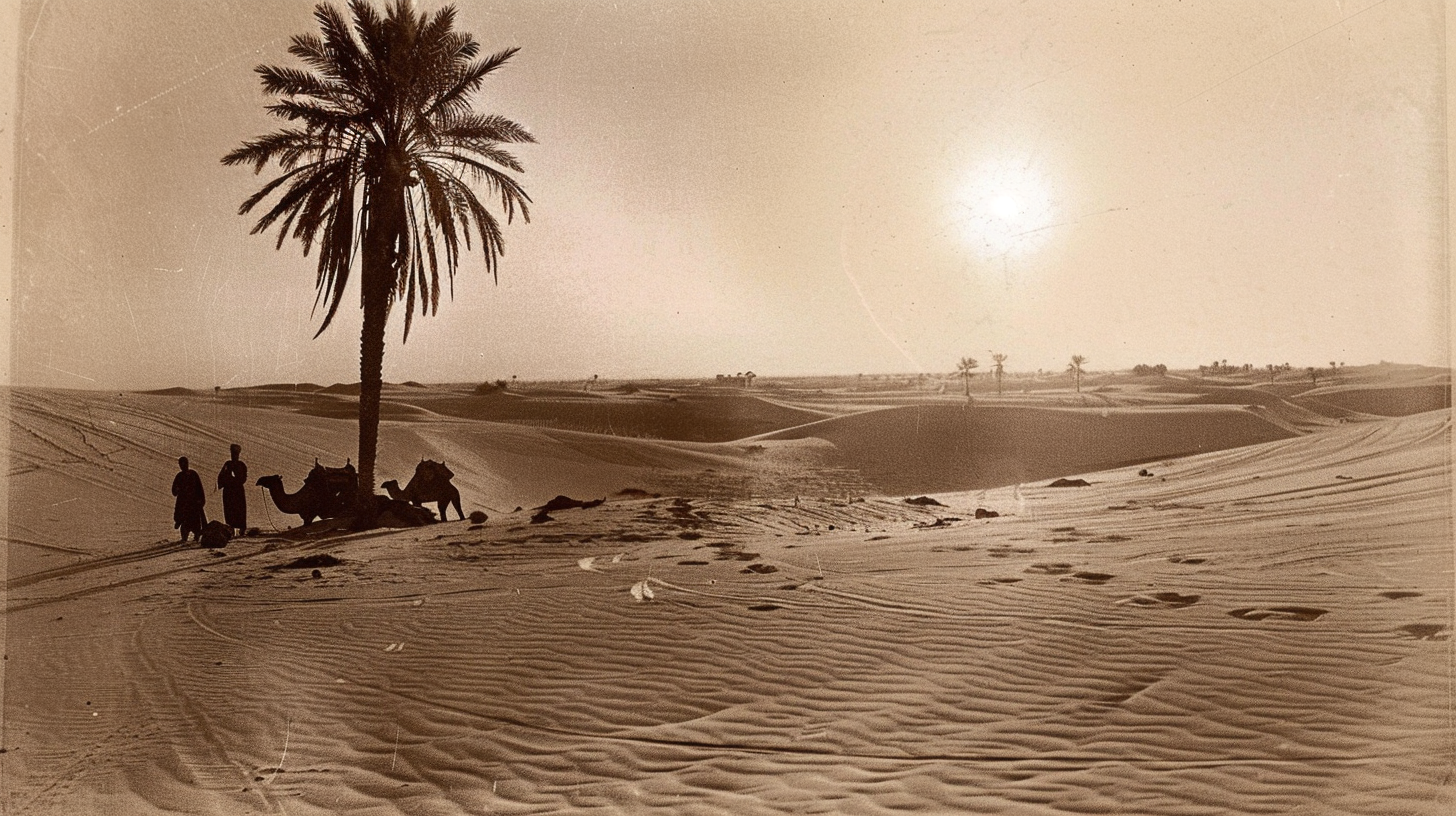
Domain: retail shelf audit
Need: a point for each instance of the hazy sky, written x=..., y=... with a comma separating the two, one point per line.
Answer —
x=787, y=187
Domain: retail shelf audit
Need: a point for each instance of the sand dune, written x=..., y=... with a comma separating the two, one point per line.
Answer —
x=1261, y=629
x=93, y=471
x=953, y=447
x=1385, y=401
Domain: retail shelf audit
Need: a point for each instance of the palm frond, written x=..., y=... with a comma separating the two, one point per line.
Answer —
x=301, y=187
x=279, y=81
x=492, y=128
x=336, y=258
x=252, y=200
x=442, y=210
x=344, y=56
x=511, y=193
x=470, y=80
x=286, y=146
x=490, y=151
x=314, y=114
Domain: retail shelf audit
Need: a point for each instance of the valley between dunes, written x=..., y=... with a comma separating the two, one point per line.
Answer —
x=1261, y=625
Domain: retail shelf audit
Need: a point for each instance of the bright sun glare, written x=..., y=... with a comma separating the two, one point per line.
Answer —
x=1005, y=208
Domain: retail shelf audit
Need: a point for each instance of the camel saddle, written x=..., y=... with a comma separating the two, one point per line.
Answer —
x=337, y=488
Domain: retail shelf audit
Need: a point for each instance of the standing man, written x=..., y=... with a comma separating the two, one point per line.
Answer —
x=188, y=515
x=233, y=479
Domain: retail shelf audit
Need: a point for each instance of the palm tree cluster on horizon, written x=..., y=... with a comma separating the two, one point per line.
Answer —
x=378, y=163
x=967, y=366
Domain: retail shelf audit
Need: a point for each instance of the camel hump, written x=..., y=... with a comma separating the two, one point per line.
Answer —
x=431, y=481
x=332, y=481
x=431, y=472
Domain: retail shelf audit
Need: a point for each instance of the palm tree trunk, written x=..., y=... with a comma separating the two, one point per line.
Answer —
x=377, y=279
x=371, y=376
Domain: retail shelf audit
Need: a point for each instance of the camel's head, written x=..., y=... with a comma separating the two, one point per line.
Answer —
x=392, y=484
x=270, y=481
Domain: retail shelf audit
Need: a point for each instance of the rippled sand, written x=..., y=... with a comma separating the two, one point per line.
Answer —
x=1259, y=630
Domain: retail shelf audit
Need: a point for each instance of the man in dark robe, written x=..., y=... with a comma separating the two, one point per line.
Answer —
x=188, y=515
x=233, y=479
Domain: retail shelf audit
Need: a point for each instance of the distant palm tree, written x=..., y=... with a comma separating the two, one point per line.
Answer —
x=379, y=166
x=965, y=368
x=1076, y=368
x=999, y=367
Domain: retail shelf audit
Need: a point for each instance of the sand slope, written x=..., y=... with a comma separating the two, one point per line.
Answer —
x=1386, y=401
x=955, y=447
x=1258, y=630
x=90, y=473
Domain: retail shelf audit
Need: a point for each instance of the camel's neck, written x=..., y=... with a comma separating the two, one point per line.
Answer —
x=281, y=497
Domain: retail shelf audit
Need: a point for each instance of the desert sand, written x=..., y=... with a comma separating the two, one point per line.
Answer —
x=1259, y=625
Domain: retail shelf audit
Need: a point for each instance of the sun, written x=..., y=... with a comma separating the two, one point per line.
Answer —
x=1005, y=208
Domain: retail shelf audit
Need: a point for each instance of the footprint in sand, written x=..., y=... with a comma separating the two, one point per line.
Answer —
x=1049, y=569
x=1425, y=631
x=1090, y=577
x=1183, y=559
x=736, y=555
x=1396, y=595
x=1291, y=613
x=1171, y=600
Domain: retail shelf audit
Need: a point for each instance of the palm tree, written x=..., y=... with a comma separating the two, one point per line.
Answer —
x=998, y=368
x=965, y=367
x=1076, y=369
x=378, y=168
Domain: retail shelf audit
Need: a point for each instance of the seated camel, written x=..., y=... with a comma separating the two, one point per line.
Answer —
x=326, y=493
x=431, y=483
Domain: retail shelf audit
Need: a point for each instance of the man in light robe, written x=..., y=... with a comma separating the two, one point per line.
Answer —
x=233, y=479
